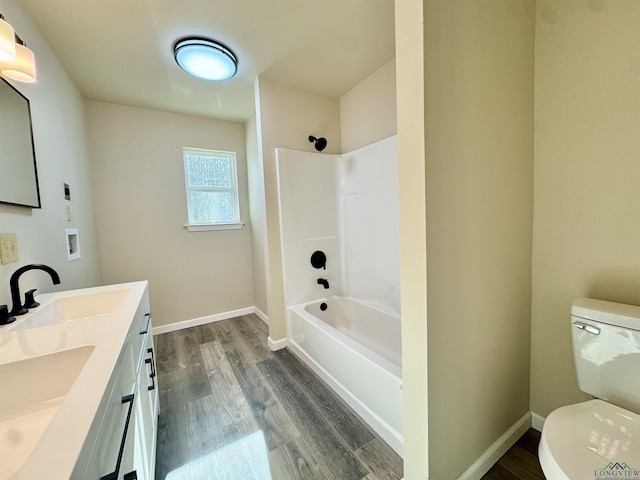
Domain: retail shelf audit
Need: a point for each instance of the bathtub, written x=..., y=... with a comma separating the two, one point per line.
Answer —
x=355, y=348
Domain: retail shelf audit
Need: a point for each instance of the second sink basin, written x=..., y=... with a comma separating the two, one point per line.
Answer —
x=74, y=307
x=31, y=392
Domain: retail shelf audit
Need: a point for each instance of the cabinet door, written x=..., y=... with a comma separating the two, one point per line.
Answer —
x=124, y=440
x=147, y=409
x=112, y=455
x=152, y=387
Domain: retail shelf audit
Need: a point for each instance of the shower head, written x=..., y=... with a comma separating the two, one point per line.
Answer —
x=321, y=142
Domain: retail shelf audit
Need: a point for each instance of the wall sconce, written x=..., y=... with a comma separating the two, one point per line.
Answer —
x=7, y=41
x=17, y=62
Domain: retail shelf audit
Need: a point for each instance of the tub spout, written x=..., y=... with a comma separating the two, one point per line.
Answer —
x=324, y=282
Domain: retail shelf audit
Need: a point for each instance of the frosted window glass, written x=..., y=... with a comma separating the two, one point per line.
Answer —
x=211, y=207
x=208, y=171
x=211, y=186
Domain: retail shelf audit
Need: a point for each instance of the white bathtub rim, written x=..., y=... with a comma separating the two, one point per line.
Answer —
x=369, y=355
x=389, y=434
x=379, y=307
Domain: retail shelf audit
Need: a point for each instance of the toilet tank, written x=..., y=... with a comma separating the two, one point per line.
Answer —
x=606, y=349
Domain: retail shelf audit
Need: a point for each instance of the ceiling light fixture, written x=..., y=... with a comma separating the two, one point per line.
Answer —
x=17, y=62
x=205, y=58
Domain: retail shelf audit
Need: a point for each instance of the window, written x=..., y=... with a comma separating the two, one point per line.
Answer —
x=212, y=189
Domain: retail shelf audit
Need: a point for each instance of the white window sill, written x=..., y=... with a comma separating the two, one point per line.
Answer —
x=203, y=227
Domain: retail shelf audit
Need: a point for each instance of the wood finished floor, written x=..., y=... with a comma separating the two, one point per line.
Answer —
x=220, y=383
x=232, y=409
x=520, y=462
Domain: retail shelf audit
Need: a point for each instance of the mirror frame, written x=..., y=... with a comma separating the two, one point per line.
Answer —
x=4, y=199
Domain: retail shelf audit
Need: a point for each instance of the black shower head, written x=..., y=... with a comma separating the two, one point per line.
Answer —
x=321, y=143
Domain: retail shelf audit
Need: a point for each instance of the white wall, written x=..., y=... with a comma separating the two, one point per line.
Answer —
x=409, y=30
x=255, y=176
x=141, y=210
x=587, y=197
x=368, y=110
x=479, y=199
x=62, y=157
x=285, y=117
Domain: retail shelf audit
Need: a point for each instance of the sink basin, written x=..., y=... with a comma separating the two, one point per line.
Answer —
x=31, y=391
x=74, y=307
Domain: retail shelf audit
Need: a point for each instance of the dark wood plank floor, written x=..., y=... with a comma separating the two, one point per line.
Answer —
x=520, y=462
x=232, y=409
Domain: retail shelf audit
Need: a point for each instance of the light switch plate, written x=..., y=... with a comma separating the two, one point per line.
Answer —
x=8, y=248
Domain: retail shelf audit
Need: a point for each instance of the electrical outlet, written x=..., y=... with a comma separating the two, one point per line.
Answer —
x=8, y=248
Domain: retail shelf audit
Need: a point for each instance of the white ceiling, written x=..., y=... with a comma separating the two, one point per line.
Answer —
x=121, y=50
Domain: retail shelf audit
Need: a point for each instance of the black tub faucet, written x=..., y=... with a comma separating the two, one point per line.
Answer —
x=17, y=308
x=324, y=282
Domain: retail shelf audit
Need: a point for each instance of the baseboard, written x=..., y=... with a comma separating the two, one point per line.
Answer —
x=261, y=315
x=537, y=421
x=483, y=464
x=172, y=327
x=276, y=344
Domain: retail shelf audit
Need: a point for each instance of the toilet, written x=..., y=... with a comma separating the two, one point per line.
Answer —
x=599, y=438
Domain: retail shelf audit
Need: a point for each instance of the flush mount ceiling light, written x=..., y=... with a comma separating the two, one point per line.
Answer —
x=205, y=58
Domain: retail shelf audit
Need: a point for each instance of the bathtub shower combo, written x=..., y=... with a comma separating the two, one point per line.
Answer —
x=340, y=251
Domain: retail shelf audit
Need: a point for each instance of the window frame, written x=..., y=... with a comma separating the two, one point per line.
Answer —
x=193, y=226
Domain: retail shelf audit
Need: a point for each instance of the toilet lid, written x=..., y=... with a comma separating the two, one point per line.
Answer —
x=592, y=440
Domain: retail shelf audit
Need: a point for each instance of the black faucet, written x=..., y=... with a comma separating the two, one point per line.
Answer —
x=17, y=308
x=324, y=282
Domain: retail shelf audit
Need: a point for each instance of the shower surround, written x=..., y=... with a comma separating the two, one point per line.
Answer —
x=347, y=206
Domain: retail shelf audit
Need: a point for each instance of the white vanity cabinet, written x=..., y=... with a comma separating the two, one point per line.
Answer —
x=146, y=408
x=122, y=439
x=107, y=449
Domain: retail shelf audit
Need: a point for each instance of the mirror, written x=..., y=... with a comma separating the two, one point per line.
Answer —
x=18, y=173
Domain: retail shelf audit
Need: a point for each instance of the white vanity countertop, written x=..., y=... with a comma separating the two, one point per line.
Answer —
x=55, y=455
